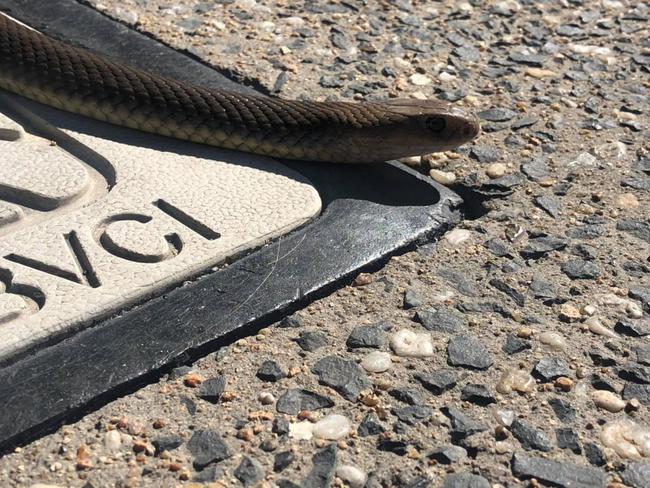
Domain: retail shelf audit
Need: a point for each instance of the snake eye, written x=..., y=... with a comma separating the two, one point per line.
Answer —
x=435, y=124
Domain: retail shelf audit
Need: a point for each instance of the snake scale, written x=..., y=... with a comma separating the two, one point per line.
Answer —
x=76, y=80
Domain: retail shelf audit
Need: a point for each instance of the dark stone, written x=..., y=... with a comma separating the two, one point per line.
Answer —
x=542, y=289
x=602, y=358
x=167, y=443
x=396, y=447
x=370, y=425
x=498, y=247
x=502, y=186
x=462, y=425
x=419, y=482
x=563, y=410
x=460, y=281
x=413, y=414
x=556, y=473
x=588, y=232
x=643, y=354
x=344, y=376
x=207, y=447
x=600, y=382
x=208, y=475
x=584, y=251
x=550, y=205
x=497, y=114
x=477, y=394
x=280, y=426
x=330, y=81
x=632, y=328
x=178, y=373
x=340, y=40
x=212, y=389
x=567, y=438
x=468, y=352
x=594, y=454
x=484, y=154
x=535, y=169
x=290, y=322
x=439, y=381
x=579, y=269
x=282, y=460
x=311, y=340
x=550, y=368
x=637, y=475
x=515, y=344
x=366, y=336
x=270, y=371
x=293, y=401
x=249, y=471
x=412, y=299
x=287, y=484
x=324, y=466
x=536, y=60
x=634, y=373
x=641, y=294
x=523, y=122
x=444, y=320
x=465, y=480
x=529, y=437
x=518, y=297
x=640, y=392
x=540, y=246
x=448, y=454
x=467, y=53
x=638, y=182
x=638, y=228
x=189, y=404
x=407, y=395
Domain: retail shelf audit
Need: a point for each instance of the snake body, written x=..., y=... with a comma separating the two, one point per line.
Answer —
x=76, y=80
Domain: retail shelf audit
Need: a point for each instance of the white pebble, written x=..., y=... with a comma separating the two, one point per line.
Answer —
x=633, y=310
x=407, y=343
x=376, y=362
x=457, y=236
x=443, y=177
x=266, y=398
x=595, y=326
x=515, y=380
x=504, y=417
x=608, y=401
x=112, y=440
x=294, y=21
x=301, y=430
x=419, y=79
x=332, y=427
x=496, y=170
x=552, y=340
x=629, y=439
x=353, y=476
x=584, y=159
x=446, y=77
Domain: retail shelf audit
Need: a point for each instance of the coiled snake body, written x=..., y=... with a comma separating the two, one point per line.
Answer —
x=56, y=74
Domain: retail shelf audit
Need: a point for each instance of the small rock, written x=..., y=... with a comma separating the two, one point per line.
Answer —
x=468, y=352
x=637, y=475
x=529, y=437
x=352, y=476
x=477, y=394
x=563, y=410
x=332, y=427
x=629, y=439
x=413, y=414
x=282, y=460
x=311, y=341
x=207, y=447
x=515, y=380
x=448, y=454
x=302, y=431
x=324, y=466
x=344, y=376
x=407, y=343
x=212, y=389
x=578, y=269
x=462, y=425
x=439, y=381
x=441, y=320
x=565, y=475
x=270, y=371
x=496, y=170
x=249, y=471
x=377, y=362
x=465, y=480
x=412, y=299
x=370, y=425
x=372, y=336
x=295, y=400
x=457, y=236
x=168, y=443
x=550, y=368
x=567, y=438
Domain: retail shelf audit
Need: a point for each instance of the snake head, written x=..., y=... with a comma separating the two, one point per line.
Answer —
x=431, y=125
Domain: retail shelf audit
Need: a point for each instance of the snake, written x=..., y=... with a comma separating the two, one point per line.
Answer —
x=38, y=67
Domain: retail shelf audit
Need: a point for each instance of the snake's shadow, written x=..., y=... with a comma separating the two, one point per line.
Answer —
x=383, y=184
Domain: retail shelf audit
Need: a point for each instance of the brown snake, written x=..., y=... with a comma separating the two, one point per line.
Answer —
x=56, y=74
